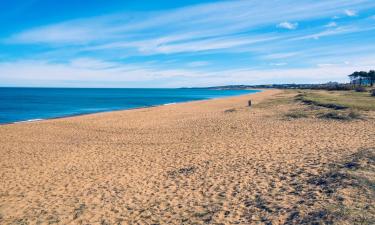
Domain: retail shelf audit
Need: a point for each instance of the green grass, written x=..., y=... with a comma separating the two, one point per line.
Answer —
x=278, y=100
x=342, y=115
x=339, y=99
x=296, y=114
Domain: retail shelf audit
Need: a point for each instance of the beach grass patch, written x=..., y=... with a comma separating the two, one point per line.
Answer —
x=185, y=171
x=350, y=187
x=205, y=216
x=354, y=115
x=338, y=99
x=53, y=219
x=296, y=114
x=340, y=115
x=201, y=214
x=279, y=100
x=79, y=211
x=333, y=115
x=21, y=221
x=230, y=110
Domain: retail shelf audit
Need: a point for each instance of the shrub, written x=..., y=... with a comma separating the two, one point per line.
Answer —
x=333, y=115
x=352, y=115
x=230, y=110
x=296, y=115
x=339, y=87
x=360, y=89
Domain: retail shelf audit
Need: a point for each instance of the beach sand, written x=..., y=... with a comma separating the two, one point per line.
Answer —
x=207, y=162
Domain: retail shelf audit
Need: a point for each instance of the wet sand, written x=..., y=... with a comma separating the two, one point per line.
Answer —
x=205, y=162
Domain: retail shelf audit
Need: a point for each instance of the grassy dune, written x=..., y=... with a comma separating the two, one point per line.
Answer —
x=340, y=99
x=348, y=184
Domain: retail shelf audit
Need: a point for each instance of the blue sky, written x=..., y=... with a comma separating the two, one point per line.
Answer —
x=183, y=43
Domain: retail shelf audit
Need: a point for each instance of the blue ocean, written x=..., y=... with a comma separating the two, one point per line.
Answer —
x=29, y=104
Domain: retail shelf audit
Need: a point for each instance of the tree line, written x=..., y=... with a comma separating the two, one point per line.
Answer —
x=363, y=77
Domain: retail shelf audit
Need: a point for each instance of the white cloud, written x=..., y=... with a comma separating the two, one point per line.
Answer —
x=198, y=64
x=171, y=45
x=279, y=64
x=199, y=21
x=336, y=31
x=82, y=70
x=350, y=13
x=64, y=33
x=325, y=65
x=281, y=55
x=330, y=32
x=242, y=30
x=209, y=44
x=94, y=64
x=288, y=25
x=331, y=24
x=123, y=75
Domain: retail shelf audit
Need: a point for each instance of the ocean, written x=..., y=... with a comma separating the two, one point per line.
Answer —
x=32, y=104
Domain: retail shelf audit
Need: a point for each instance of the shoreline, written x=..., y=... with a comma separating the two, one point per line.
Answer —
x=119, y=110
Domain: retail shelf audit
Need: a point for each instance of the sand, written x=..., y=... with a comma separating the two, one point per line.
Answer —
x=205, y=162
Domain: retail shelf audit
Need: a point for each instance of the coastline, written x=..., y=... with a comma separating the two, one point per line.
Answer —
x=125, y=109
x=216, y=161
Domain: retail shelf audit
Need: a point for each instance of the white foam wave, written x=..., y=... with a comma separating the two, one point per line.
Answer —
x=31, y=120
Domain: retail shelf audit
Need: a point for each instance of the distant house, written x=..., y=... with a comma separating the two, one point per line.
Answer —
x=362, y=78
x=362, y=81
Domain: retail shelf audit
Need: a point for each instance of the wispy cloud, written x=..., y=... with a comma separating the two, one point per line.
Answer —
x=325, y=33
x=87, y=70
x=350, y=13
x=114, y=74
x=338, y=30
x=279, y=64
x=331, y=24
x=198, y=64
x=229, y=34
x=282, y=55
x=288, y=25
x=201, y=21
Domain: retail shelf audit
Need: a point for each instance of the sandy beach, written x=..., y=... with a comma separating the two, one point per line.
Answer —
x=206, y=162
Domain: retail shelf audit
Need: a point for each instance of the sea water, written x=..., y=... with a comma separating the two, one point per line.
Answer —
x=32, y=104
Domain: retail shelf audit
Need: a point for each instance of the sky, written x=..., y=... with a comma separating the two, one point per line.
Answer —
x=190, y=43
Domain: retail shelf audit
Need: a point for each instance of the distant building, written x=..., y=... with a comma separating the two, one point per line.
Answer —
x=363, y=81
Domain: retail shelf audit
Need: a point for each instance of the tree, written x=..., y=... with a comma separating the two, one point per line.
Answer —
x=359, y=77
x=363, y=75
x=371, y=76
x=353, y=77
